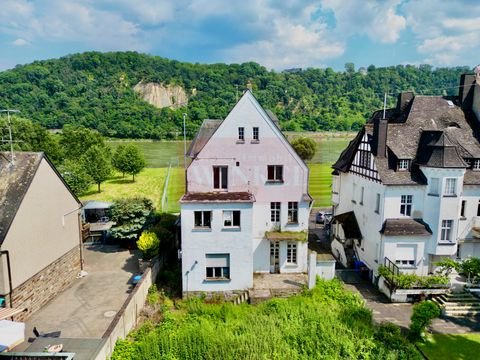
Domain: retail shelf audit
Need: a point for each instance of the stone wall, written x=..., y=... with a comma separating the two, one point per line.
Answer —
x=229, y=295
x=46, y=284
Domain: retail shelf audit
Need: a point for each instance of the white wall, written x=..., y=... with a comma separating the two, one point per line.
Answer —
x=197, y=243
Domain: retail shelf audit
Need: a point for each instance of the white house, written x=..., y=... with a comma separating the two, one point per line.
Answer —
x=246, y=204
x=406, y=190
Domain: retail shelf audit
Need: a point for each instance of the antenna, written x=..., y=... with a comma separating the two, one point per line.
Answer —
x=384, y=105
x=9, y=124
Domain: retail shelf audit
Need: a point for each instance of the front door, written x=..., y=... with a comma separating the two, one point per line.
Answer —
x=274, y=257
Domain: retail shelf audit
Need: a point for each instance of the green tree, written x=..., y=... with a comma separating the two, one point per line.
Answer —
x=97, y=163
x=422, y=316
x=305, y=147
x=76, y=176
x=131, y=217
x=129, y=159
x=77, y=140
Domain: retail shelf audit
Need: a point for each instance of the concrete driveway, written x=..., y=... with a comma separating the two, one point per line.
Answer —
x=88, y=306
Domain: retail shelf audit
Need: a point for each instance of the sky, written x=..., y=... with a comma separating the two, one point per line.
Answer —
x=277, y=34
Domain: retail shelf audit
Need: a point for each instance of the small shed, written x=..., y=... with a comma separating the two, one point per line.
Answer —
x=95, y=211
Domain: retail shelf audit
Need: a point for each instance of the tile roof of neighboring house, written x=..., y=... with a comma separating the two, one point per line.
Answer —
x=429, y=131
x=14, y=183
x=405, y=227
x=208, y=128
x=206, y=197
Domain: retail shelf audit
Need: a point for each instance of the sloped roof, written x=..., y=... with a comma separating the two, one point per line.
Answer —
x=436, y=150
x=207, y=129
x=14, y=183
x=405, y=227
x=349, y=225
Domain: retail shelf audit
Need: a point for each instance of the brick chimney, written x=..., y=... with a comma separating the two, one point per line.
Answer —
x=476, y=93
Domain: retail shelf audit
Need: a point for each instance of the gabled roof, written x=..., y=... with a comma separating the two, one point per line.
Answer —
x=15, y=181
x=207, y=129
x=405, y=227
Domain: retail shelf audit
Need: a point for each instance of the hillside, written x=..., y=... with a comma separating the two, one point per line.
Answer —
x=97, y=90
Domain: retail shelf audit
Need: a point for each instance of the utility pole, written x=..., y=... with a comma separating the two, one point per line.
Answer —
x=10, y=140
x=184, y=142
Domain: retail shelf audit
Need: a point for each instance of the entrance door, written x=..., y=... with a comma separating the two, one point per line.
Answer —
x=274, y=257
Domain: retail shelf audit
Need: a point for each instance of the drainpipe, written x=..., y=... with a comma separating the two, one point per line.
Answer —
x=79, y=230
x=2, y=252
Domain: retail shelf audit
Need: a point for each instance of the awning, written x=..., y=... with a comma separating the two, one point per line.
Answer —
x=6, y=313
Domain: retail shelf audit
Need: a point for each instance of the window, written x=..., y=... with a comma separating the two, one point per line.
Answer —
x=362, y=191
x=405, y=262
x=434, y=186
x=275, y=173
x=478, y=208
x=476, y=164
x=256, y=134
x=446, y=233
x=241, y=133
x=403, y=164
x=220, y=177
x=364, y=159
x=291, y=253
x=231, y=218
x=275, y=212
x=293, y=212
x=217, y=266
x=450, y=187
x=406, y=205
x=462, y=208
x=405, y=255
x=203, y=219
x=377, y=204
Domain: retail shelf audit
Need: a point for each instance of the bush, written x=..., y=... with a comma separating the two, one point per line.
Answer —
x=305, y=147
x=148, y=244
x=447, y=265
x=409, y=281
x=422, y=316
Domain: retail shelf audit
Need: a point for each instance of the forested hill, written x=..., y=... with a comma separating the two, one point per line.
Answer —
x=96, y=90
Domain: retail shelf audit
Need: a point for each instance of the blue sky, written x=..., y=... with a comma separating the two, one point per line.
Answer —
x=277, y=34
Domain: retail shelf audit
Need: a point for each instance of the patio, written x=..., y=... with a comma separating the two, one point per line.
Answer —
x=266, y=286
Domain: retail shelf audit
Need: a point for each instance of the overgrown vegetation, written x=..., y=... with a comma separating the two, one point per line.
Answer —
x=326, y=322
x=95, y=90
x=422, y=316
x=409, y=281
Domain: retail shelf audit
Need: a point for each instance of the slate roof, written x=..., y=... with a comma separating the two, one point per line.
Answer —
x=207, y=197
x=405, y=227
x=207, y=129
x=429, y=131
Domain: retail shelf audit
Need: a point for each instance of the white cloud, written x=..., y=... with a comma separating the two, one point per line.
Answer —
x=447, y=31
x=20, y=42
x=379, y=20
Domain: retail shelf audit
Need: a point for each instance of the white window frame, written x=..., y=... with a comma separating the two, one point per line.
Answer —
x=202, y=219
x=403, y=164
x=293, y=212
x=277, y=172
x=241, y=133
x=450, y=187
x=446, y=231
x=221, y=186
x=476, y=164
x=275, y=211
x=217, y=272
x=229, y=217
x=292, y=253
x=406, y=204
x=255, y=133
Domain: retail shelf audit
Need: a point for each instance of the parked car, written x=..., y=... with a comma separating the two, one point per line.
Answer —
x=323, y=217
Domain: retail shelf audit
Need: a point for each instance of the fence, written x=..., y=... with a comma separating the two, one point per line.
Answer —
x=127, y=317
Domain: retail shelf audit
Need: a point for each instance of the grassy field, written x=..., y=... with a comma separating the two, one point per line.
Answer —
x=320, y=184
x=160, y=154
x=451, y=346
x=149, y=183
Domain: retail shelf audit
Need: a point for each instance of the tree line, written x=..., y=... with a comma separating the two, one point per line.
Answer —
x=95, y=90
x=81, y=155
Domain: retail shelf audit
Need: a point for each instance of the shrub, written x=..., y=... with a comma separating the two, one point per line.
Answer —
x=471, y=268
x=409, y=281
x=305, y=147
x=447, y=265
x=148, y=244
x=422, y=316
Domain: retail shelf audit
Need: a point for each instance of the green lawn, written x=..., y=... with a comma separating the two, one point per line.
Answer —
x=452, y=346
x=176, y=188
x=320, y=186
x=149, y=183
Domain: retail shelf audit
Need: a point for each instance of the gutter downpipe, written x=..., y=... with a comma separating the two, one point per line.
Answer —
x=9, y=269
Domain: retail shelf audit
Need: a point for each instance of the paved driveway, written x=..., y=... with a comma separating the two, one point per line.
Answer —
x=88, y=306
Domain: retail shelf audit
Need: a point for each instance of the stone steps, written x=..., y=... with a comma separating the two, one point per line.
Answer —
x=458, y=304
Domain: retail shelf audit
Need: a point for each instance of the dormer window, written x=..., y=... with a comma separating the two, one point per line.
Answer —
x=476, y=164
x=403, y=164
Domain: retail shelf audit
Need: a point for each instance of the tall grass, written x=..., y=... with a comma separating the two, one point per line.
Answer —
x=324, y=323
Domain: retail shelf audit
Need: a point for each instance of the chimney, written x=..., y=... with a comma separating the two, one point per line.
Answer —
x=404, y=99
x=476, y=93
x=465, y=93
x=380, y=127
